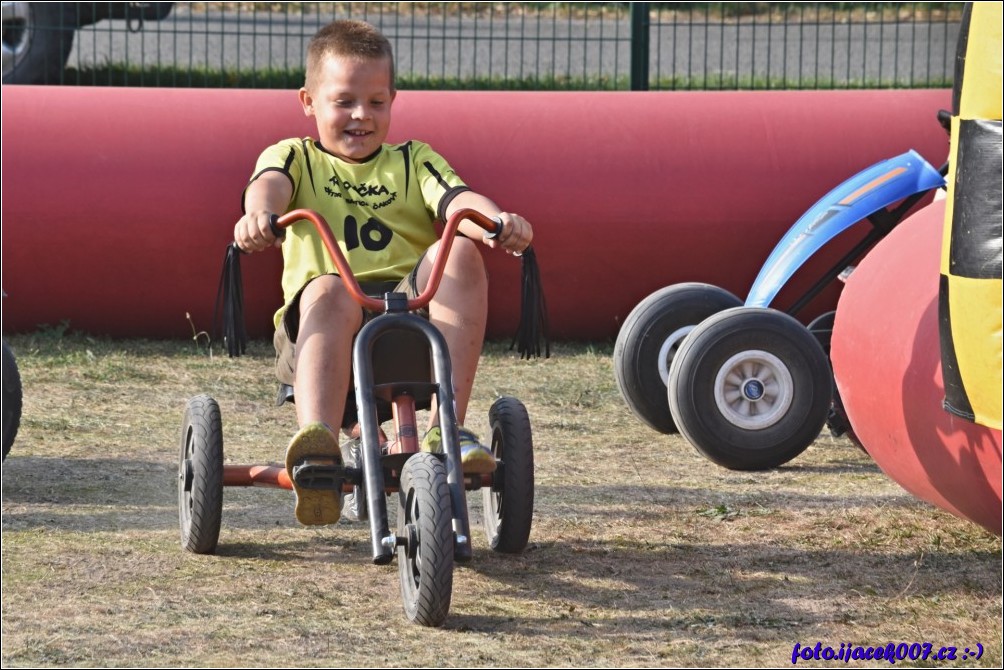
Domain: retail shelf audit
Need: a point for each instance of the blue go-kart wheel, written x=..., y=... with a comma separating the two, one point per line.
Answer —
x=649, y=340
x=750, y=388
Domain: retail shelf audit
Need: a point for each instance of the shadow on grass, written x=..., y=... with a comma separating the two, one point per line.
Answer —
x=656, y=502
x=745, y=591
x=114, y=491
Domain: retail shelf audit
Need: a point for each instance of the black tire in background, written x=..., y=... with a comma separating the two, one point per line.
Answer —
x=37, y=38
x=649, y=339
x=200, y=476
x=822, y=328
x=11, y=399
x=750, y=388
x=508, y=503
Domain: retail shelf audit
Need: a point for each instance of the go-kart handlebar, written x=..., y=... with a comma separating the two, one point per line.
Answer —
x=490, y=225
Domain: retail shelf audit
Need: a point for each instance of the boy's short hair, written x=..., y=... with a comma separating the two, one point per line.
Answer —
x=347, y=38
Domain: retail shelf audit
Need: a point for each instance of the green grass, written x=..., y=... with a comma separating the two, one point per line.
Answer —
x=642, y=552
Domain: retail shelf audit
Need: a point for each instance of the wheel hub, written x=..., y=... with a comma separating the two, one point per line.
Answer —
x=411, y=541
x=668, y=351
x=753, y=390
x=186, y=475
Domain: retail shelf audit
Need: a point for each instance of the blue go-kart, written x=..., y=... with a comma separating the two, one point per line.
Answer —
x=748, y=385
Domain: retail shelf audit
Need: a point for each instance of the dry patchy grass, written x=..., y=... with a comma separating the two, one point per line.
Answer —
x=642, y=553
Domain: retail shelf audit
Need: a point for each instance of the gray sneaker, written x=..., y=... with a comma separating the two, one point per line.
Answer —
x=475, y=457
x=353, y=503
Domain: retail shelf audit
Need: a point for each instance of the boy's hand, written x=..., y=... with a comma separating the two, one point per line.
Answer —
x=514, y=236
x=253, y=232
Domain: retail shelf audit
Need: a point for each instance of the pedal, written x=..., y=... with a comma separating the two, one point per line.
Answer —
x=319, y=473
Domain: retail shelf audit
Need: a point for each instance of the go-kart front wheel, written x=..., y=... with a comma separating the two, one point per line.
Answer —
x=649, y=340
x=200, y=476
x=508, y=502
x=750, y=388
x=425, y=540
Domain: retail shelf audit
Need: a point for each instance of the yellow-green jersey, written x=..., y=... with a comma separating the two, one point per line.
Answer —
x=381, y=211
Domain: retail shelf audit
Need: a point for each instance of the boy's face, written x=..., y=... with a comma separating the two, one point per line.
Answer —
x=350, y=100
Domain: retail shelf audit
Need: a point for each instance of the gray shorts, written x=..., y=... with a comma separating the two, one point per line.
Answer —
x=285, y=335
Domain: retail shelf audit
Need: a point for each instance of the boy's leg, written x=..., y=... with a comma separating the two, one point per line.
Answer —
x=460, y=311
x=328, y=320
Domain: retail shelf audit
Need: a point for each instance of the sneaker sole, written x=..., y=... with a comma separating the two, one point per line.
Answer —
x=314, y=507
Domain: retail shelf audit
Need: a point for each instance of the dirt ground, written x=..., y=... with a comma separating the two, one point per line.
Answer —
x=643, y=553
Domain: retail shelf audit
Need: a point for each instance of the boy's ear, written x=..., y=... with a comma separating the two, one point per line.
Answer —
x=307, y=100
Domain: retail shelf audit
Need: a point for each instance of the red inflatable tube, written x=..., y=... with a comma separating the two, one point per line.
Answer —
x=887, y=363
x=118, y=203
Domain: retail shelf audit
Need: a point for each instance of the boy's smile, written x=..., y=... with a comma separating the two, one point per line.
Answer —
x=351, y=105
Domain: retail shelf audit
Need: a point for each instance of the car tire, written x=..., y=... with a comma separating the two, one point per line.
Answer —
x=36, y=42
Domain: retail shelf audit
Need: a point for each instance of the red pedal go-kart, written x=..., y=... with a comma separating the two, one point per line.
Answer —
x=400, y=363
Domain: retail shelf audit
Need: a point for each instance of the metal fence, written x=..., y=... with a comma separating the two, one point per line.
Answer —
x=607, y=46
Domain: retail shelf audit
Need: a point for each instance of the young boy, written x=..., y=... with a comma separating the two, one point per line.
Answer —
x=380, y=201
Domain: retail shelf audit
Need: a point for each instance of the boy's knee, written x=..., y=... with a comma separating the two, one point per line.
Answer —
x=466, y=258
x=327, y=298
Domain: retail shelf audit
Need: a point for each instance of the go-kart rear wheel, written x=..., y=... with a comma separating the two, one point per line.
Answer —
x=508, y=503
x=200, y=476
x=648, y=342
x=11, y=399
x=822, y=329
x=425, y=540
x=750, y=388
x=837, y=421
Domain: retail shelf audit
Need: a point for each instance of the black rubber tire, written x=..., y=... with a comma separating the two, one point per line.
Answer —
x=837, y=420
x=425, y=535
x=508, y=504
x=822, y=328
x=649, y=338
x=750, y=388
x=40, y=39
x=12, y=396
x=200, y=476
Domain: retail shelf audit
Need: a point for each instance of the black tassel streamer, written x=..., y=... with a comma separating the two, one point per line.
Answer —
x=230, y=297
x=531, y=334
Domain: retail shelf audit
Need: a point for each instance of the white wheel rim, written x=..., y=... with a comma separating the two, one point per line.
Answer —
x=753, y=390
x=668, y=350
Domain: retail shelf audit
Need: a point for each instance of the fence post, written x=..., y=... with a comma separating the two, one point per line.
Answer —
x=639, y=46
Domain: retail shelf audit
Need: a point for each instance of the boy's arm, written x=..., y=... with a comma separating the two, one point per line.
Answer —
x=269, y=194
x=516, y=233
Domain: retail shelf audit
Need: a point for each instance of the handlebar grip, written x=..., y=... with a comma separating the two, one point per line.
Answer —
x=273, y=225
x=495, y=233
x=498, y=228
